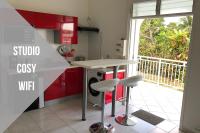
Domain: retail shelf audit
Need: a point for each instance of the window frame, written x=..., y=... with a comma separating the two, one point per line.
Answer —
x=158, y=11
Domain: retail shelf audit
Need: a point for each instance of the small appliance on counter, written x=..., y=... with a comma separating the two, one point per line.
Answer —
x=64, y=51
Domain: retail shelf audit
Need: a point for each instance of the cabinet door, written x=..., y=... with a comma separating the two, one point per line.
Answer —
x=69, y=30
x=56, y=89
x=74, y=81
x=48, y=21
x=28, y=16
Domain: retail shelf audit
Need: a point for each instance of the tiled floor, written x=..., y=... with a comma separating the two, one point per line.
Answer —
x=65, y=118
x=161, y=101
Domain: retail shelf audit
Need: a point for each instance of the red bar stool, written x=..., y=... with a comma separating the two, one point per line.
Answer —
x=103, y=86
x=129, y=83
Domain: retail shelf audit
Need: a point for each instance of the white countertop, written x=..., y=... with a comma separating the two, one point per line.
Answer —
x=102, y=63
x=72, y=66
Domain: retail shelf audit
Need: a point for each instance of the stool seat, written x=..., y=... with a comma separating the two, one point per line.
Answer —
x=106, y=85
x=131, y=81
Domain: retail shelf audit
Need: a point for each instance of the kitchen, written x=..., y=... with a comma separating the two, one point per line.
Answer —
x=70, y=83
x=90, y=35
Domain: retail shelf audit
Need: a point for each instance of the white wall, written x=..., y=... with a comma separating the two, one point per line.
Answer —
x=191, y=106
x=77, y=8
x=110, y=16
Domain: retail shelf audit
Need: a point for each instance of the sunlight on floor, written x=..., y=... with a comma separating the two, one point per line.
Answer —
x=161, y=101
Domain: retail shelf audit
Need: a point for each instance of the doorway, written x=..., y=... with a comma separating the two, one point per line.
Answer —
x=161, y=46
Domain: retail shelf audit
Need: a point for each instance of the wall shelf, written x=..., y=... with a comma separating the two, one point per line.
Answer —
x=90, y=29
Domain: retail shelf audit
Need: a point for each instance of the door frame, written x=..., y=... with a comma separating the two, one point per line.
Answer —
x=133, y=49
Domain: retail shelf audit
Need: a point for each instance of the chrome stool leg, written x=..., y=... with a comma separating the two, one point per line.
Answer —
x=101, y=127
x=125, y=119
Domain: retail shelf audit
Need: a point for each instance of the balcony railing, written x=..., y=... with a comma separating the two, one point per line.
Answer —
x=163, y=71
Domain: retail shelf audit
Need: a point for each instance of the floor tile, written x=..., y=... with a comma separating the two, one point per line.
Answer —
x=23, y=125
x=157, y=130
x=83, y=126
x=144, y=107
x=173, y=117
x=176, y=130
x=64, y=129
x=166, y=126
x=120, y=128
x=154, y=108
x=169, y=110
x=40, y=114
x=151, y=103
x=50, y=123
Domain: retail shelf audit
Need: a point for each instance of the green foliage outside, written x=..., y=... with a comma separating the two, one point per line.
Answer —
x=165, y=41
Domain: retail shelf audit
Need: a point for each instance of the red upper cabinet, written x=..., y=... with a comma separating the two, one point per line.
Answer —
x=48, y=21
x=28, y=16
x=66, y=27
x=42, y=20
x=68, y=33
x=70, y=30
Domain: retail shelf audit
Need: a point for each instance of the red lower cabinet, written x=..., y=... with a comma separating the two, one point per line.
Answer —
x=55, y=90
x=67, y=84
x=74, y=81
x=119, y=91
x=71, y=83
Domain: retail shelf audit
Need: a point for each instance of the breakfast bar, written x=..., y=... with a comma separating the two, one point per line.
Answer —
x=100, y=63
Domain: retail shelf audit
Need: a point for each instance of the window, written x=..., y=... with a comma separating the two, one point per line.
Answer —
x=161, y=7
x=176, y=6
x=144, y=8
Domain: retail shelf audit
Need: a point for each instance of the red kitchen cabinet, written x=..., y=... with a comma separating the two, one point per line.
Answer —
x=74, y=81
x=48, y=21
x=55, y=90
x=120, y=89
x=65, y=27
x=28, y=16
x=42, y=20
x=67, y=84
x=68, y=33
